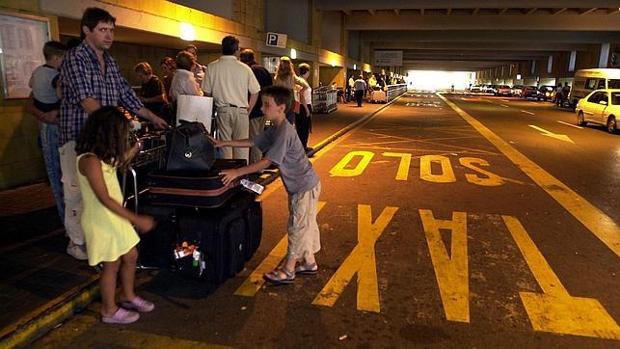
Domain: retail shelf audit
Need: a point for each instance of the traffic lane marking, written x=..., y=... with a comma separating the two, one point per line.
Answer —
x=555, y=310
x=569, y=124
x=255, y=281
x=600, y=224
x=548, y=133
x=527, y=112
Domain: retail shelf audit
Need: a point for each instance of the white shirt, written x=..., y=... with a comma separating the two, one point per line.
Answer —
x=229, y=82
x=307, y=93
x=184, y=83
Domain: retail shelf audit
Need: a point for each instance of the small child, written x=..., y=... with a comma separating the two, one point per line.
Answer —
x=104, y=146
x=45, y=105
x=281, y=146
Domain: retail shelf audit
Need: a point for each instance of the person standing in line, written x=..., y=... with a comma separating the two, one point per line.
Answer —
x=44, y=104
x=229, y=82
x=183, y=81
x=257, y=120
x=103, y=147
x=283, y=149
x=360, y=88
x=286, y=77
x=303, y=119
x=152, y=93
x=168, y=66
x=350, y=84
x=90, y=79
x=199, y=70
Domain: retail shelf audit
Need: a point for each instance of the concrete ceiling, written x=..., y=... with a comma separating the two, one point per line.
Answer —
x=474, y=34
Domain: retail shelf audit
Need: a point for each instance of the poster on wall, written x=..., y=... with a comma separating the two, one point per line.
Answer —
x=21, y=51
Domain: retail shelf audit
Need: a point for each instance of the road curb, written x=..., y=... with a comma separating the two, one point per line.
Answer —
x=81, y=296
x=50, y=317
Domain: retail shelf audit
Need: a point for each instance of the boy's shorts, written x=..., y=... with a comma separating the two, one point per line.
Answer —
x=303, y=229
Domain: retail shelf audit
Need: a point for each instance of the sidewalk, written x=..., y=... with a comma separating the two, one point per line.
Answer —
x=37, y=276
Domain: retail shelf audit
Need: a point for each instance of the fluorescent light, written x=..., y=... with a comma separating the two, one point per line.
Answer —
x=187, y=32
x=354, y=66
x=293, y=53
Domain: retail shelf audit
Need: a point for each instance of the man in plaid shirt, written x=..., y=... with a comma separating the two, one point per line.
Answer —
x=90, y=79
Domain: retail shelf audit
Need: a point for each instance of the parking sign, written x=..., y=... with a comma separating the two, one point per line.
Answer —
x=276, y=40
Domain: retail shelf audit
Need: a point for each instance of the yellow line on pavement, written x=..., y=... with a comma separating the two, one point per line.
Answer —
x=555, y=310
x=600, y=224
x=451, y=265
x=360, y=261
x=255, y=281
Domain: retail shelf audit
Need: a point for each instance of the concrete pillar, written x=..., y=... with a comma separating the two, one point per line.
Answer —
x=604, y=55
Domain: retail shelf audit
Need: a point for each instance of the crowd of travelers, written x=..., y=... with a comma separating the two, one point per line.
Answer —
x=86, y=138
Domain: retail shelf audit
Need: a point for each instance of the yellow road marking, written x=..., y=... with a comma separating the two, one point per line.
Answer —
x=403, y=166
x=361, y=261
x=340, y=170
x=451, y=269
x=446, y=175
x=555, y=310
x=255, y=281
x=492, y=180
x=600, y=224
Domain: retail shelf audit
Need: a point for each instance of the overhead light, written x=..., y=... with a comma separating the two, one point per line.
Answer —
x=518, y=76
x=333, y=62
x=187, y=32
x=354, y=66
x=293, y=53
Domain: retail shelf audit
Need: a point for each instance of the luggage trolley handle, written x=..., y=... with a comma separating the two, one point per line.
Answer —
x=134, y=176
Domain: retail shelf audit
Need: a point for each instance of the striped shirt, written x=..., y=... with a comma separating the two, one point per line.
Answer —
x=82, y=78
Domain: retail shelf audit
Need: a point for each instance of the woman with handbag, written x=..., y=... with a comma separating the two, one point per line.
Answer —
x=286, y=77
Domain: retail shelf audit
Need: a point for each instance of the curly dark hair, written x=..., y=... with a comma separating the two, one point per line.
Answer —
x=106, y=134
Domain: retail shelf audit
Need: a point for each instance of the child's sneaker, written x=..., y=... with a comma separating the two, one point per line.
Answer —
x=121, y=316
x=139, y=304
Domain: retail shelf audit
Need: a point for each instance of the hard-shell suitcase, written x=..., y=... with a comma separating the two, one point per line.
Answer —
x=202, y=189
x=254, y=223
x=212, y=243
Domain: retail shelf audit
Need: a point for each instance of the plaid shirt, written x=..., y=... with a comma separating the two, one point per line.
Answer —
x=82, y=78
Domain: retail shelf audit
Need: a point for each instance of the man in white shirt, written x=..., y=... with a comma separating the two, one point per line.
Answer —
x=229, y=82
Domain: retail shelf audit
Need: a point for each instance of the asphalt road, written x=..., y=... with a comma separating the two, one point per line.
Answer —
x=446, y=222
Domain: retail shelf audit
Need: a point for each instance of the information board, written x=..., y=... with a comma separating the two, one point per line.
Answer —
x=21, y=51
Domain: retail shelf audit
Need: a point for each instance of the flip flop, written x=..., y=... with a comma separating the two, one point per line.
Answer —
x=276, y=279
x=307, y=269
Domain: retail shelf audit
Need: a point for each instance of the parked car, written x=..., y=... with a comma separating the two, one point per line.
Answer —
x=492, y=89
x=504, y=90
x=588, y=80
x=600, y=107
x=546, y=93
x=517, y=90
x=529, y=92
x=476, y=88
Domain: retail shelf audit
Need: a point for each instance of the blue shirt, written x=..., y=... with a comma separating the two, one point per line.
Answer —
x=82, y=78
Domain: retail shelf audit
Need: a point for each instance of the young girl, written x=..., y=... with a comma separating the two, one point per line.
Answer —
x=103, y=147
x=286, y=77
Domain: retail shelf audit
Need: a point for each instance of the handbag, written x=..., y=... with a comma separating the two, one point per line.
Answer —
x=190, y=149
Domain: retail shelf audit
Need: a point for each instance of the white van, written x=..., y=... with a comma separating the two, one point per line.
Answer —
x=588, y=80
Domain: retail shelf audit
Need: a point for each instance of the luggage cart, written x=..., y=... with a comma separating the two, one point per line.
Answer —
x=324, y=100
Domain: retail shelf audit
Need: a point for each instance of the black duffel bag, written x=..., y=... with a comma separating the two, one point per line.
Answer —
x=189, y=148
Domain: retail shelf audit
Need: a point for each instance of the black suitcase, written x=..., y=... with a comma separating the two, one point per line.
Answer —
x=202, y=189
x=253, y=216
x=212, y=243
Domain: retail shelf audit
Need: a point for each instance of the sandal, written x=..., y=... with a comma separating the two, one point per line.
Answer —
x=307, y=269
x=275, y=277
x=121, y=316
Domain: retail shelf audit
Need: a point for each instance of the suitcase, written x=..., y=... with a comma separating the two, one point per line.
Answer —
x=378, y=96
x=254, y=223
x=201, y=189
x=212, y=244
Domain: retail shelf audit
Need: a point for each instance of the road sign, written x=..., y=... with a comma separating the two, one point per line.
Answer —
x=276, y=40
